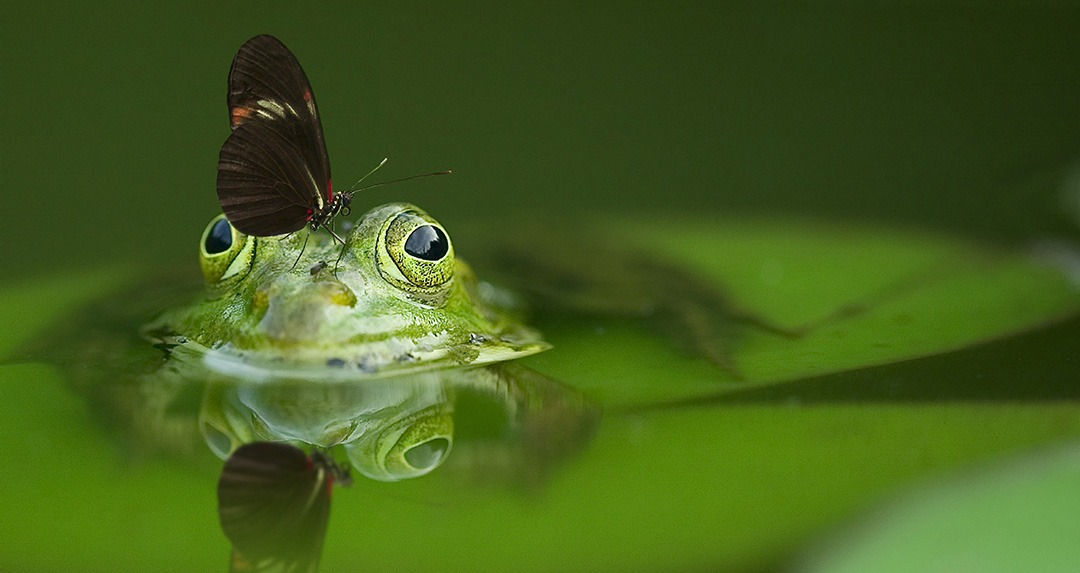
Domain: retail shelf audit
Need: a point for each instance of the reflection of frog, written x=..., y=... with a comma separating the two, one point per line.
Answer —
x=404, y=426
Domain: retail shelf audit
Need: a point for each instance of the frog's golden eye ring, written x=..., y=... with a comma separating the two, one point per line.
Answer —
x=416, y=255
x=224, y=252
x=420, y=250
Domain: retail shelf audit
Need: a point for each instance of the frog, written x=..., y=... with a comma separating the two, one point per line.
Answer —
x=365, y=346
x=362, y=349
x=395, y=300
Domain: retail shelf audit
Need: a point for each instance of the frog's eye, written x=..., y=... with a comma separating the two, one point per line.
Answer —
x=218, y=237
x=427, y=243
x=416, y=255
x=224, y=252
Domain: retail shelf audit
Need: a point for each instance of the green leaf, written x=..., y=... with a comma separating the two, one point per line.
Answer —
x=1020, y=514
x=868, y=296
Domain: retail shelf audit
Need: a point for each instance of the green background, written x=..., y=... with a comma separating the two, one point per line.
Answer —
x=959, y=118
x=960, y=115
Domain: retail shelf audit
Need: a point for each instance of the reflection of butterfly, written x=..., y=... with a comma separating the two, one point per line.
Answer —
x=273, y=170
x=274, y=503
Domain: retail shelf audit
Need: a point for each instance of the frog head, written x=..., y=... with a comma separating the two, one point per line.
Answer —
x=393, y=298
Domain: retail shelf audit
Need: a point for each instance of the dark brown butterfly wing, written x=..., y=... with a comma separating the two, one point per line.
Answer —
x=274, y=505
x=273, y=171
x=263, y=183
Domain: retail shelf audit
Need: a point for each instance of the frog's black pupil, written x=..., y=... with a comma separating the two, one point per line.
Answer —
x=220, y=238
x=428, y=243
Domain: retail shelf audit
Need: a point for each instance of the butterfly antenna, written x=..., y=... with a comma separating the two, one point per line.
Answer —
x=353, y=189
x=355, y=186
x=374, y=185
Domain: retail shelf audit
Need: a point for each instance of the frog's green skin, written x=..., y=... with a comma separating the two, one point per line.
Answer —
x=301, y=305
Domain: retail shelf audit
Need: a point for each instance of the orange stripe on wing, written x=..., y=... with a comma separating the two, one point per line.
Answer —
x=240, y=115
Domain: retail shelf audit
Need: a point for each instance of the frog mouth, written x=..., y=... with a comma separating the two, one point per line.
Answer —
x=394, y=356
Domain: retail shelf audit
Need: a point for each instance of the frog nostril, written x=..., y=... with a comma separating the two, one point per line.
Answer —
x=339, y=294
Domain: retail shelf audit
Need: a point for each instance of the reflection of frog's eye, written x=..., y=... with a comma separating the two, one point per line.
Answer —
x=416, y=255
x=405, y=448
x=427, y=455
x=224, y=252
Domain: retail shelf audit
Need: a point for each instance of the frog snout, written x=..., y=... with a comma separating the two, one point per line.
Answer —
x=297, y=313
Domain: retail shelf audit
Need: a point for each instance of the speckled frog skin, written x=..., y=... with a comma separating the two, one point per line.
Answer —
x=394, y=299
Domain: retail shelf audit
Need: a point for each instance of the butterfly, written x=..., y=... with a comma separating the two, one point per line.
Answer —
x=273, y=171
x=274, y=505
